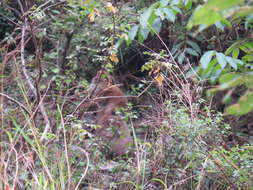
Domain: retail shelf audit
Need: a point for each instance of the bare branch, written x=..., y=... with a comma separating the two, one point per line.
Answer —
x=16, y=102
x=28, y=79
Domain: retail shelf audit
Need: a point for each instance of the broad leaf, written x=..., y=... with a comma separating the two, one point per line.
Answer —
x=235, y=53
x=181, y=58
x=191, y=52
x=159, y=13
x=232, y=62
x=194, y=45
x=164, y=2
x=244, y=105
x=221, y=59
x=237, y=80
x=144, y=33
x=175, y=2
x=206, y=58
x=227, y=77
x=220, y=5
x=132, y=33
x=169, y=14
x=176, y=9
x=145, y=17
x=157, y=25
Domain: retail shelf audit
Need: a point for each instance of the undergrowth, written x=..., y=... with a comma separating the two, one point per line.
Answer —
x=182, y=153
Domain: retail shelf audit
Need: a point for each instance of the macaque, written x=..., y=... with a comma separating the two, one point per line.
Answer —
x=106, y=97
x=122, y=140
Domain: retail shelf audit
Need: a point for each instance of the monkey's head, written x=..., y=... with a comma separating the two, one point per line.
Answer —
x=101, y=81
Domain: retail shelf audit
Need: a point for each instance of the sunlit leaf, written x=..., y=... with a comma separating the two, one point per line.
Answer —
x=157, y=25
x=206, y=58
x=221, y=59
x=248, y=58
x=176, y=9
x=244, y=105
x=235, y=53
x=164, y=2
x=145, y=17
x=144, y=32
x=175, y=2
x=231, y=62
x=249, y=20
x=211, y=12
x=132, y=33
x=204, y=16
x=227, y=77
x=219, y=5
x=169, y=14
x=237, y=80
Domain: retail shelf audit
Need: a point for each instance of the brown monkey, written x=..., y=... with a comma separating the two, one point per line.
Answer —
x=105, y=97
x=121, y=140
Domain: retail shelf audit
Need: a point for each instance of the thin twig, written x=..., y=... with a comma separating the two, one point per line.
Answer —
x=16, y=102
x=41, y=105
x=65, y=145
x=87, y=166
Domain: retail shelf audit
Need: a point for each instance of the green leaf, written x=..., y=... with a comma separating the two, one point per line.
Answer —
x=152, y=19
x=249, y=45
x=181, y=58
x=232, y=62
x=144, y=33
x=145, y=17
x=159, y=13
x=56, y=70
x=169, y=14
x=248, y=21
x=175, y=2
x=221, y=59
x=188, y=4
x=191, y=52
x=157, y=25
x=225, y=78
x=244, y=105
x=243, y=48
x=204, y=16
x=194, y=45
x=132, y=33
x=237, y=80
x=238, y=61
x=220, y=5
x=248, y=58
x=176, y=9
x=233, y=110
x=219, y=25
x=206, y=58
x=235, y=53
x=212, y=71
x=243, y=11
x=211, y=12
x=164, y=2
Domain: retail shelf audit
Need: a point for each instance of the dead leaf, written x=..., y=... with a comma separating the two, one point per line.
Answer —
x=113, y=57
x=159, y=79
x=93, y=14
x=111, y=8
